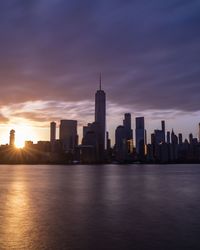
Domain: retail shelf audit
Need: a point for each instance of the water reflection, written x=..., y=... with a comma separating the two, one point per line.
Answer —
x=99, y=207
x=16, y=218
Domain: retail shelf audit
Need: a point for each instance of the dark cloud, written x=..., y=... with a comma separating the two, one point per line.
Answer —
x=148, y=52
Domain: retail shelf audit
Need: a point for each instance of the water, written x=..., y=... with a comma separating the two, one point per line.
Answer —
x=100, y=207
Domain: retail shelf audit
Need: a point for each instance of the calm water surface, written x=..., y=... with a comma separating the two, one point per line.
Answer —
x=100, y=207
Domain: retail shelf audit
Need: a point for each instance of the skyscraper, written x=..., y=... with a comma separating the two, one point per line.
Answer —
x=174, y=138
x=190, y=138
x=163, y=129
x=159, y=136
x=53, y=135
x=120, y=143
x=180, y=139
x=68, y=134
x=127, y=126
x=12, y=137
x=100, y=118
x=140, y=136
x=90, y=143
x=128, y=132
x=52, y=132
x=168, y=137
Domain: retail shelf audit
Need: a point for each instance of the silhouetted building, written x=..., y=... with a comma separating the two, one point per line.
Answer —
x=109, y=148
x=57, y=146
x=159, y=136
x=163, y=129
x=12, y=137
x=180, y=139
x=68, y=134
x=158, y=141
x=150, y=152
x=52, y=132
x=120, y=143
x=127, y=126
x=100, y=118
x=43, y=146
x=163, y=156
x=90, y=151
x=123, y=149
x=168, y=137
x=52, y=135
x=28, y=144
x=190, y=138
x=128, y=132
x=153, y=139
x=174, y=138
x=86, y=129
x=140, y=136
x=173, y=147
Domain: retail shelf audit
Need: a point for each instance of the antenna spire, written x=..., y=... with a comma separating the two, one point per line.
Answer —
x=100, y=81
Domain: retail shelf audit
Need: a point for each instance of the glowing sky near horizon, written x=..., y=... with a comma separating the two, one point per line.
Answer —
x=52, y=53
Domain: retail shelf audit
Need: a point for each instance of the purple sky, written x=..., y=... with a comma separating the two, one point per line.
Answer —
x=53, y=50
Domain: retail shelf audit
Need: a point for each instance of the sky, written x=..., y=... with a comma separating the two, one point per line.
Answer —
x=51, y=53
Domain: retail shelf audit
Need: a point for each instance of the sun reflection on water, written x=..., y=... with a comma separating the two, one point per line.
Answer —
x=17, y=219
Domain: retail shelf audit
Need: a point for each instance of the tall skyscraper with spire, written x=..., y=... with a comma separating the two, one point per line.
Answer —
x=100, y=118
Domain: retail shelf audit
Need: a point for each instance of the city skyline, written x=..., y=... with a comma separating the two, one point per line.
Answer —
x=97, y=147
x=62, y=130
x=52, y=51
x=27, y=132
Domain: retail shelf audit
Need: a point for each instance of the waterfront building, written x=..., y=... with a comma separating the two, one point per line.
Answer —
x=68, y=134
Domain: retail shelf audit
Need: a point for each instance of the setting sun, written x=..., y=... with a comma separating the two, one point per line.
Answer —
x=22, y=134
x=20, y=143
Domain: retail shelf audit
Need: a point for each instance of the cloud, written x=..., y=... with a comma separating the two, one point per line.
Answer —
x=3, y=119
x=148, y=53
x=41, y=113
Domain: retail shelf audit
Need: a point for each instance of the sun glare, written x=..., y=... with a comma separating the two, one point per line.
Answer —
x=23, y=133
x=19, y=144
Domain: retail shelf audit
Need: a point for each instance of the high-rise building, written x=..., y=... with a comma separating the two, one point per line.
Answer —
x=91, y=135
x=168, y=137
x=159, y=136
x=174, y=146
x=90, y=143
x=128, y=132
x=174, y=138
x=100, y=118
x=86, y=129
x=52, y=132
x=180, y=138
x=53, y=136
x=190, y=138
x=12, y=137
x=127, y=126
x=163, y=129
x=140, y=136
x=120, y=143
x=68, y=134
